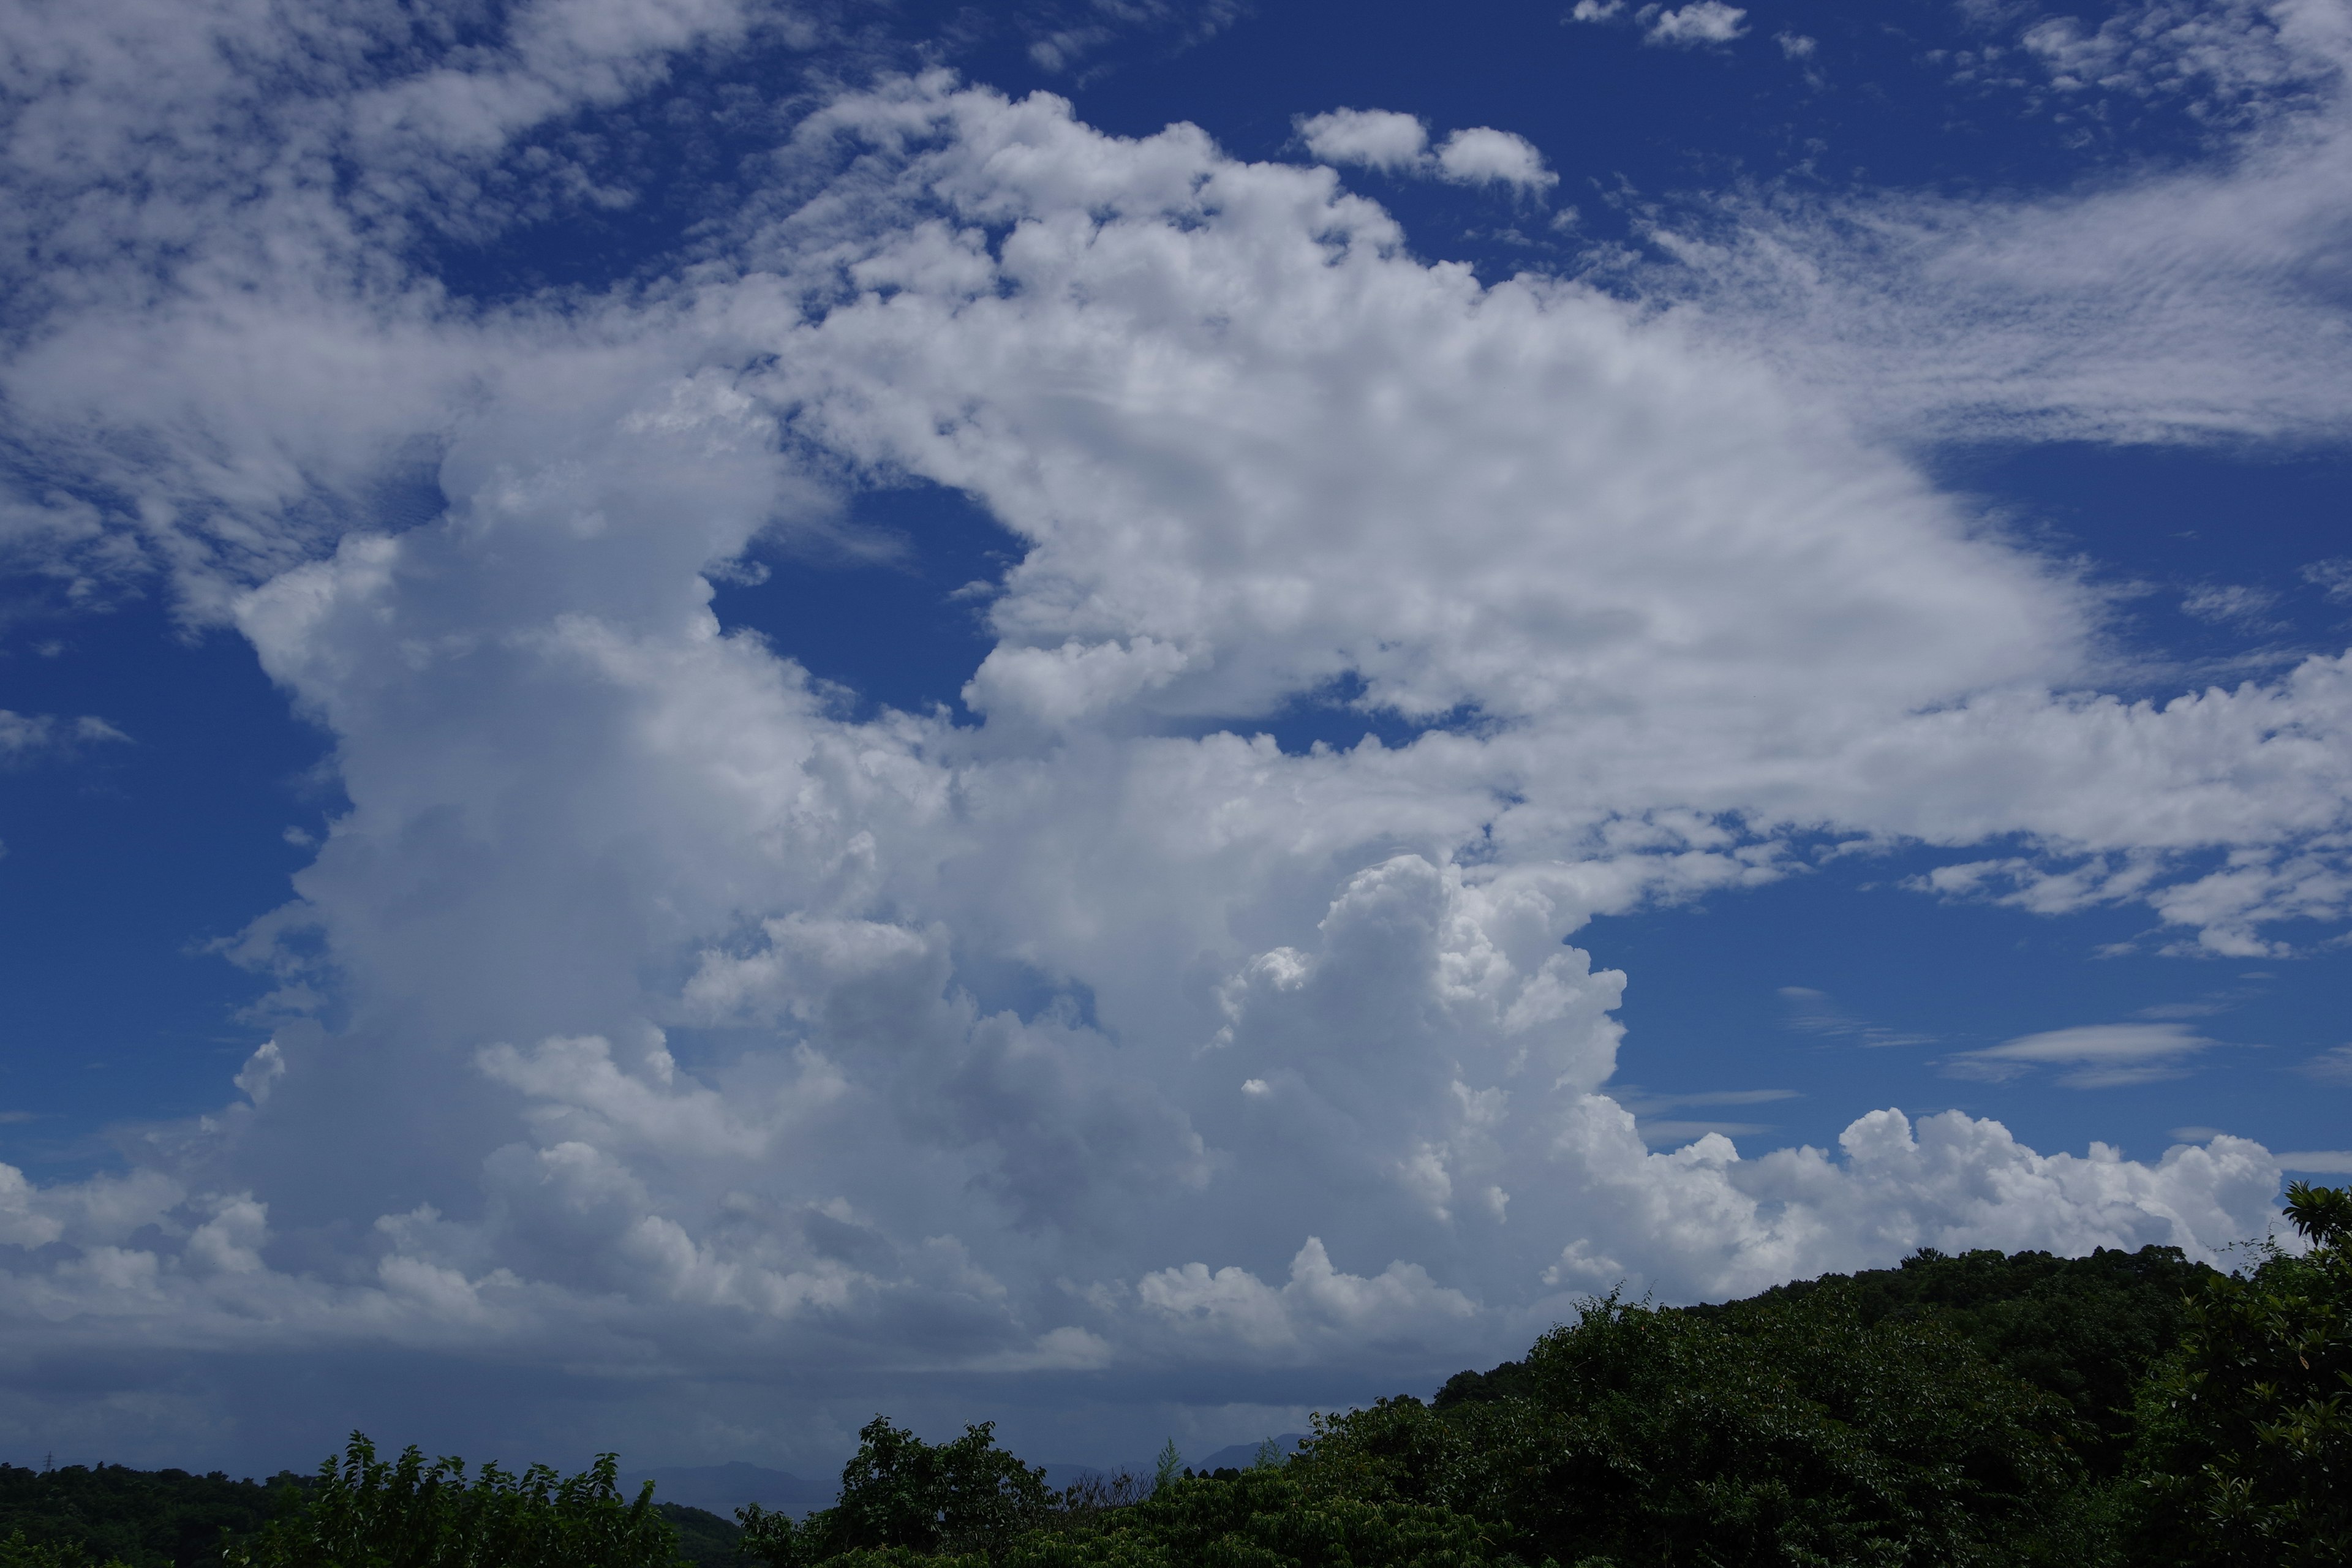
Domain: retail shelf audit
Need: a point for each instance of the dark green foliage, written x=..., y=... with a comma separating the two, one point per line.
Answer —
x=2084, y=1328
x=1504, y=1381
x=17, y=1552
x=901, y=1494
x=368, y=1512
x=145, y=1519
x=704, y=1539
x=2245, y=1450
x=1791, y=1432
x=1268, y=1517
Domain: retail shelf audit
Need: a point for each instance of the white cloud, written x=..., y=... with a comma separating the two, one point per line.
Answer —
x=1695, y=25
x=2332, y=577
x=1816, y=1013
x=1377, y=138
x=2332, y=1066
x=1234, y=1310
x=2177, y=306
x=1485, y=155
x=2222, y=59
x=2103, y=1056
x=1700, y=22
x=30, y=737
x=1657, y=1130
x=1398, y=145
x=2229, y=602
x=2318, y=1162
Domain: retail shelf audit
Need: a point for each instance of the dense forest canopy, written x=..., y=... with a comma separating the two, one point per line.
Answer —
x=1982, y=1409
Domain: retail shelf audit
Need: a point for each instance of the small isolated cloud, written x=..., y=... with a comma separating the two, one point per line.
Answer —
x=2332, y=577
x=2318, y=1162
x=1691, y=26
x=1796, y=46
x=1377, y=138
x=1399, y=144
x=2103, y=1056
x=1483, y=156
x=25, y=737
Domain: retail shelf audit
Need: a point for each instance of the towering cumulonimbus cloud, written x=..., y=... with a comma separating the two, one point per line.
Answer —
x=1104, y=1037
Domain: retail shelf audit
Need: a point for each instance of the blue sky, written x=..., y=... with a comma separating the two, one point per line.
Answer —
x=1134, y=717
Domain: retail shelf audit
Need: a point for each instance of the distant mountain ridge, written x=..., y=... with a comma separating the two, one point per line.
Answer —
x=723, y=1488
x=1242, y=1455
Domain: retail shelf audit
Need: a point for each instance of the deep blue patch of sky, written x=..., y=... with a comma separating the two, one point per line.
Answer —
x=2168, y=532
x=903, y=624
x=127, y=860
x=1906, y=982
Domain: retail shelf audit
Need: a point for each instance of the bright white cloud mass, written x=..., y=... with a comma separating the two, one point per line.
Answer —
x=1089, y=1031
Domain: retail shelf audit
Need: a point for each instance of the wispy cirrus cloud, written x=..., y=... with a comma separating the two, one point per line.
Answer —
x=1814, y=1012
x=1657, y=1128
x=2331, y=1065
x=2171, y=308
x=2096, y=1055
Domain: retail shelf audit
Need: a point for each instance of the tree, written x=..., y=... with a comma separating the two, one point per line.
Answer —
x=1788, y=1432
x=2245, y=1444
x=902, y=1495
x=368, y=1512
x=15, y=1552
x=145, y=1518
x=1262, y=1518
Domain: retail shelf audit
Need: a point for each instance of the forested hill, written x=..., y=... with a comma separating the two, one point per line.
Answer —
x=149, y=1519
x=72, y=1515
x=2121, y=1409
x=2086, y=1330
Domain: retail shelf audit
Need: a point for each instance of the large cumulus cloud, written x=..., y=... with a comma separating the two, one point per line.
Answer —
x=665, y=1035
